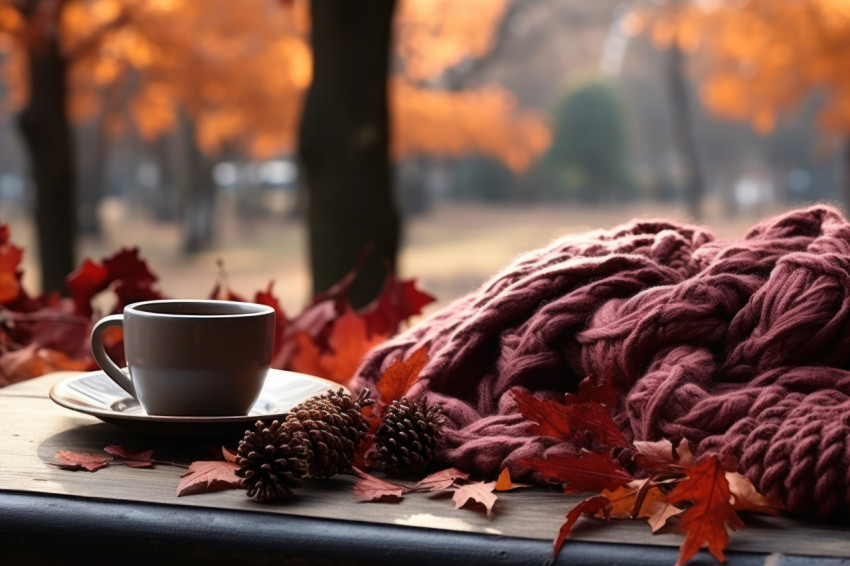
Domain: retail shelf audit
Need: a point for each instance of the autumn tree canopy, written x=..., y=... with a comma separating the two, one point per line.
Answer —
x=240, y=70
x=760, y=58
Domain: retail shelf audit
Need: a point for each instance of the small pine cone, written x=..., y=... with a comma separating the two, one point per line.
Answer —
x=272, y=460
x=408, y=438
x=333, y=425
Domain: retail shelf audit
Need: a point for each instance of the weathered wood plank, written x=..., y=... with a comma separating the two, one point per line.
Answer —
x=34, y=428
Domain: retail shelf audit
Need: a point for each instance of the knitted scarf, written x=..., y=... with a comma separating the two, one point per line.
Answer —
x=740, y=346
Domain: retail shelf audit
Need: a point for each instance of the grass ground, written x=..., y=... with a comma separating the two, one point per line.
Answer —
x=450, y=251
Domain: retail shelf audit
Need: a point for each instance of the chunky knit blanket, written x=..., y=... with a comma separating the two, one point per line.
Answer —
x=740, y=346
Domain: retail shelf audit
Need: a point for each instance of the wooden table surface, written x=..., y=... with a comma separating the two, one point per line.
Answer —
x=34, y=428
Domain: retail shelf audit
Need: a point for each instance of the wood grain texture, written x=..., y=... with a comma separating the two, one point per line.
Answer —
x=34, y=428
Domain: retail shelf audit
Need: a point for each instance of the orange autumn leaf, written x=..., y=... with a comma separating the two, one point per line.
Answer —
x=400, y=376
x=705, y=522
x=659, y=512
x=505, y=483
x=307, y=355
x=350, y=341
x=747, y=498
x=626, y=498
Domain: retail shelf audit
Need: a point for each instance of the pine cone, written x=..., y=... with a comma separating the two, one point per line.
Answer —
x=408, y=437
x=272, y=459
x=333, y=425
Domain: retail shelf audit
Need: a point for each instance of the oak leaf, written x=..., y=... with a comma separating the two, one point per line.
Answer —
x=705, y=522
x=505, y=483
x=480, y=492
x=590, y=506
x=67, y=460
x=205, y=476
x=400, y=376
x=371, y=489
x=586, y=472
x=131, y=459
x=441, y=481
x=747, y=497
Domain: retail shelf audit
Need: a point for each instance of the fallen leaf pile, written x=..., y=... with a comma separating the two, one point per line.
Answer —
x=371, y=489
x=705, y=494
x=49, y=333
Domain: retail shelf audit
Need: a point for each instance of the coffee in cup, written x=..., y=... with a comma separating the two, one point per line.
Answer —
x=191, y=357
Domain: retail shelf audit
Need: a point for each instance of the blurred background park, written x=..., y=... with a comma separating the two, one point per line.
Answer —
x=259, y=132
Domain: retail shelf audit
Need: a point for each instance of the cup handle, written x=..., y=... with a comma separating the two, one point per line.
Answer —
x=102, y=358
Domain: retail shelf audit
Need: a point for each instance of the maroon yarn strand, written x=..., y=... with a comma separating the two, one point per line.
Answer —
x=739, y=346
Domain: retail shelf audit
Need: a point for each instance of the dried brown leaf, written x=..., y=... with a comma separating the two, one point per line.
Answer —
x=208, y=475
x=480, y=492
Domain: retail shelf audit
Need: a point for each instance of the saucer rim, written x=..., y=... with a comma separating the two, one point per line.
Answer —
x=110, y=415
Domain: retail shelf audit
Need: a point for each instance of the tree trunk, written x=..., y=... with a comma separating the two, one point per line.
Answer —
x=197, y=191
x=47, y=135
x=344, y=145
x=684, y=133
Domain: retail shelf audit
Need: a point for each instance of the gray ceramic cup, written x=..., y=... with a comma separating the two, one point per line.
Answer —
x=191, y=357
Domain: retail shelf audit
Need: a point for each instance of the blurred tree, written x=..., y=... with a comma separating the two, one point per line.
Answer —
x=590, y=148
x=239, y=72
x=763, y=58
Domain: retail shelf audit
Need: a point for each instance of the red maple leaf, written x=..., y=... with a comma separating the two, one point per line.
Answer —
x=480, y=492
x=587, y=472
x=67, y=460
x=131, y=459
x=590, y=507
x=400, y=376
x=590, y=392
x=562, y=421
x=711, y=511
x=10, y=259
x=371, y=489
x=132, y=278
x=84, y=283
x=280, y=320
x=550, y=417
x=205, y=476
x=398, y=301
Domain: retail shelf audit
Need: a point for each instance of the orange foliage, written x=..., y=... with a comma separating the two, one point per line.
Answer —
x=240, y=70
x=760, y=58
x=453, y=123
x=433, y=35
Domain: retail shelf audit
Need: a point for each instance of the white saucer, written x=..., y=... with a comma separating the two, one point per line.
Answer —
x=96, y=394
